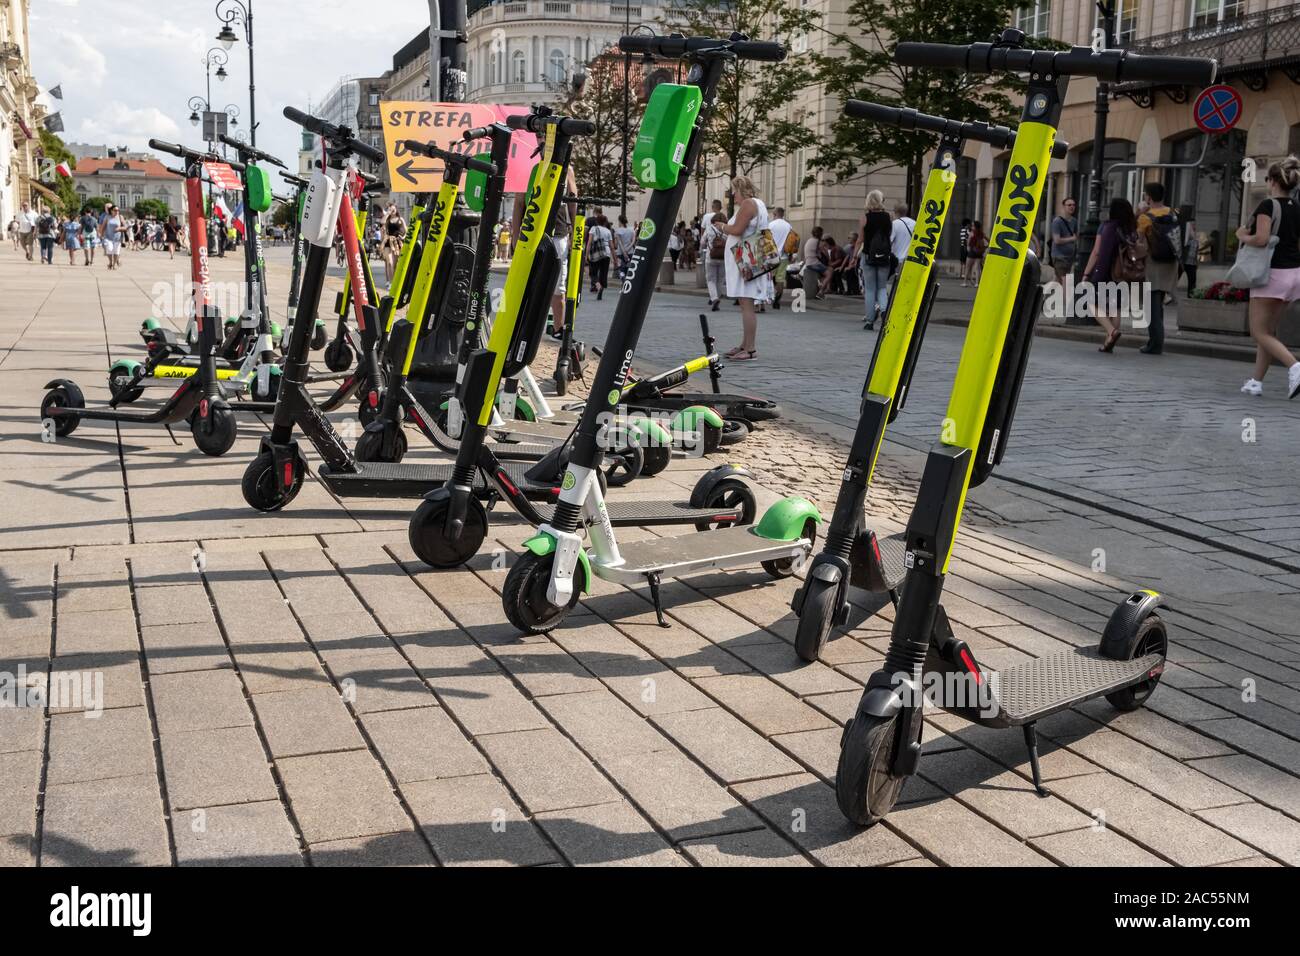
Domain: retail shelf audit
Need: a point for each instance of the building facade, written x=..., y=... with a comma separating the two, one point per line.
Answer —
x=127, y=181
x=354, y=101
x=20, y=115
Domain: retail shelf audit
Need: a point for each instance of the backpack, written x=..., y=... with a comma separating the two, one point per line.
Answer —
x=878, y=248
x=599, y=247
x=46, y=222
x=1130, y=263
x=791, y=246
x=1165, y=238
x=718, y=244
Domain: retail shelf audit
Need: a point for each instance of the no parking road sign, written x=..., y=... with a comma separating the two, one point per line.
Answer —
x=1217, y=109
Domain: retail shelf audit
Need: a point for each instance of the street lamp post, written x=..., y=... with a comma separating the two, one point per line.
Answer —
x=232, y=12
x=1096, y=184
x=218, y=58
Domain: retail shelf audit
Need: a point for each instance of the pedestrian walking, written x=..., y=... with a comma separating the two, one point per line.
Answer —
x=675, y=243
x=27, y=219
x=624, y=243
x=394, y=233
x=600, y=250
x=112, y=230
x=976, y=244
x=1065, y=237
x=12, y=231
x=89, y=226
x=1159, y=226
x=742, y=229
x=963, y=251
x=781, y=233
x=714, y=242
x=46, y=231
x=875, y=250
x=900, y=235
x=72, y=239
x=1117, y=232
x=1191, y=245
x=170, y=231
x=814, y=266
x=1268, y=302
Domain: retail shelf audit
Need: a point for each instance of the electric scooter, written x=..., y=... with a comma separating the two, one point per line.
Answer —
x=881, y=745
x=853, y=554
x=198, y=400
x=545, y=582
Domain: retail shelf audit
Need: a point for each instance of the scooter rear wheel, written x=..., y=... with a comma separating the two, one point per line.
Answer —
x=430, y=542
x=784, y=567
x=215, y=436
x=816, y=620
x=62, y=396
x=123, y=396
x=338, y=356
x=1149, y=638
x=319, y=337
x=524, y=594
x=735, y=430
x=656, y=460
x=864, y=787
x=725, y=495
x=623, y=466
x=371, y=445
x=260, y=488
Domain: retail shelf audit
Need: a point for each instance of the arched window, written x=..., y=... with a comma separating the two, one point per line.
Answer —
x=495, y=67
x=556, y=66
x=518, y=67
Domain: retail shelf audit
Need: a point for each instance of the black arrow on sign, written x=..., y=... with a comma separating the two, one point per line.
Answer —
x=409, y=174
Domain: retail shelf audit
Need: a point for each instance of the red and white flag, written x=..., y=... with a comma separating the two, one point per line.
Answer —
x=64, y=170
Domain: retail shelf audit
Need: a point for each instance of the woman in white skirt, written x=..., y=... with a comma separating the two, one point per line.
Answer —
x=750, y=217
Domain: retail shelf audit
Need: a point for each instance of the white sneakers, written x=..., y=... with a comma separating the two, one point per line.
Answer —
x=1293, y=380
x=1253, y=387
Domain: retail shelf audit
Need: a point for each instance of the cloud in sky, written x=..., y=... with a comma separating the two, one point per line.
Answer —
x=129, y=67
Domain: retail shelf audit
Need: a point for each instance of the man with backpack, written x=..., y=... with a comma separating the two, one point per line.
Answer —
x=787, y=244
x=46, y=226
x=1162, y=231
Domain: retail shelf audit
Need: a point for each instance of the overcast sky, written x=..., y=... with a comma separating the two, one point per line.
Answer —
x=128, y=67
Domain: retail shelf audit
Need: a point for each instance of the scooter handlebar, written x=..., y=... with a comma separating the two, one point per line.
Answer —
x=533, y=123
x=675, y=46
x=292, y=179
x=906, y=118
x=1112, y=66
x=591, y=201
x=455, y=159
x=341, y=136
x=248, y=152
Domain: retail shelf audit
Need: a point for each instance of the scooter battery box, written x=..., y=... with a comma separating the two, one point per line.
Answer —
x=665, y=132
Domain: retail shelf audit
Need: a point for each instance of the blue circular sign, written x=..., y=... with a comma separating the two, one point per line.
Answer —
x=1217, y=109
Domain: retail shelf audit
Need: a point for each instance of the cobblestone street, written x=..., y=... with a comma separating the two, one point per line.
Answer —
x=297, y=688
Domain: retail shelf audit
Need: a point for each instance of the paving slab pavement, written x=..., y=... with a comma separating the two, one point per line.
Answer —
x=297, y=689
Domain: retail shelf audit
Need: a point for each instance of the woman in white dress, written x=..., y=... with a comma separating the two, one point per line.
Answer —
x=750, y=217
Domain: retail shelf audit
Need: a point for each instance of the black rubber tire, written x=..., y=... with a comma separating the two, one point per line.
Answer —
x=319, y=338
x=624, y=466
x=816, y=620
x=1151, y=638
x=433, y=547
x=656, y=459
x=864, y=788
x=216, y=440
x=128, y=396
x=561, y=382
x=735, y=430
x=338, y=356
x=726, y=494
x=370, y=446
x=784, y=567
x=367, y=413
x=712, y=437
x=524, y=595
x=63, y=397
x=259, y=485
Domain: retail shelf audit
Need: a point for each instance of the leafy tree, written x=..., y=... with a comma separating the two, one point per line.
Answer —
x=151, y=207
x=96, y=203
x=598, y=159
x=860, y=65
x=282, y=214
x=752, y=123
x=52, y=148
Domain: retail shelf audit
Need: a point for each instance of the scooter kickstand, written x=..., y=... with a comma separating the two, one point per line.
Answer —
x=171, y=434
x=1031, y=742
x=653, y=579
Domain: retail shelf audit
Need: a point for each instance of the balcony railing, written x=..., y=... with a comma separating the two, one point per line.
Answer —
x=1245, y=44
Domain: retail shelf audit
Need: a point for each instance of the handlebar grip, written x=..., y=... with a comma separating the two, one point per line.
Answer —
x=577, y=127
x=591, y=201
x=165, y=147
x=305, y=120
x=938, y=56
x=478, y=132
x=873, y=112
x=520, y=121
x=481, y=166
x=758, y=50
x=1194, y=71
x=427, y=149
x=366, y=151
x=291, y=178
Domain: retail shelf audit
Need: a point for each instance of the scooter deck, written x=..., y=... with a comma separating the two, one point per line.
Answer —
x=1031, y=691
x=540, y=431
x=646, y=513
x=380, y=479
x=731, y=405
x=687, y=554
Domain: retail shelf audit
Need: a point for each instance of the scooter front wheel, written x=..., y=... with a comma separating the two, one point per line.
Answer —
x=784, y=567
x=657, y=458
x=338, y=356
x=117, y=383
x=62, y=396
x=430, y=542
x=1150, y=637
x=524, y=595
x=319, y=337
x=624, y=465
x=371, y=446
x=864, y=787
x=260, y=488
x=816, y=619
x=216, y=434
